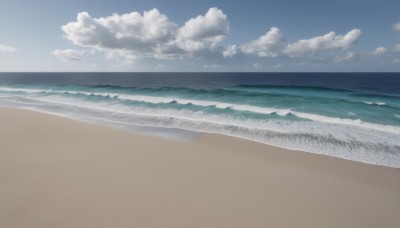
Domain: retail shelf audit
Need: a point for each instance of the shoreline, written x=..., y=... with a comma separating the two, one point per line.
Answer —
x=59, y=172
x=336, y=140
x=194, y=136
x=172, y=133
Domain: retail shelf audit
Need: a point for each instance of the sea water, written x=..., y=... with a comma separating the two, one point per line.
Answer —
x=355, y=116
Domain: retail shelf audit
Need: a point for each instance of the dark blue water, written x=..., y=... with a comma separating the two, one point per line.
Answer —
x=384, y=82
x=350, y=115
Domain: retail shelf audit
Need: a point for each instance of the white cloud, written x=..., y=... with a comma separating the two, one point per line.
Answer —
x=69, y=54
x=347, y=57
x=380, y=51
x=327, y=42
x=272, y=44
x=230, y=51
x=139, y=34
x=385, y=50
x=396, y=27
x=4, y=48
x=203, y=31
x=268, y=45
x=150, y=34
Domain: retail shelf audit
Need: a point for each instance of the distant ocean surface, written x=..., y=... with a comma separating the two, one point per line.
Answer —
x=355, y=116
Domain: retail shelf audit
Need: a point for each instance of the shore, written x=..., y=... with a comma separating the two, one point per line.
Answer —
x=57, y=172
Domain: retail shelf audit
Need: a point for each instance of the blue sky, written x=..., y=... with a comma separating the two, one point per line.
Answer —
x=226, y=35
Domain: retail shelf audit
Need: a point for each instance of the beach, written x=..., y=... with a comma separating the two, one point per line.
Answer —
x=58, y=172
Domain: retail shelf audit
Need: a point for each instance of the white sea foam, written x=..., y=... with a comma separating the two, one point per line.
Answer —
x=254, y=109
x=260, y=110
x=351, y=122
x=380, y=103
x=7, y=89
x=263, y=110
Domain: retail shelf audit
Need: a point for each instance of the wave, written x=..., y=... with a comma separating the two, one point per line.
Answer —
x=380, y=103
x=262, y=110
x=265, y=88
x=7, y=89
x=254, y=109
x=350, y=122
x=236, y=92
x=224, y=105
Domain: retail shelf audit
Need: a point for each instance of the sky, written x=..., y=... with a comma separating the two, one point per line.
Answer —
x=219, y=35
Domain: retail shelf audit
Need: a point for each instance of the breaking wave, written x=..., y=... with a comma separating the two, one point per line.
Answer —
x=313, y=120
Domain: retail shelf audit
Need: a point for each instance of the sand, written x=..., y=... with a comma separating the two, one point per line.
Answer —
x=57, y=172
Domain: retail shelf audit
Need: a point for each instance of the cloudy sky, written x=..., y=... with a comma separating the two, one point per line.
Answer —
x=219, y=35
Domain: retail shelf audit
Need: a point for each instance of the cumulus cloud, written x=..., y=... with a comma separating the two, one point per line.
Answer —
x=5, y=48
x=268, y=45
x=380, y=51
x=327, y=42
x=203, y=31
x=69, y=54
x=150, y=34
x=386, y=51
x=139, y=34
x=230, y=51
x=274, y=44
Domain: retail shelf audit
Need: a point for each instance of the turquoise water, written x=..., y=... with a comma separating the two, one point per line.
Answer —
x=353, y=123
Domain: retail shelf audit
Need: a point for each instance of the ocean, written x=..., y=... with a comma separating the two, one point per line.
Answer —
x=354, y=116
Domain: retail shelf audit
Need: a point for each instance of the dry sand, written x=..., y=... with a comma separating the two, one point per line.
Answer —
x=56, y=172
